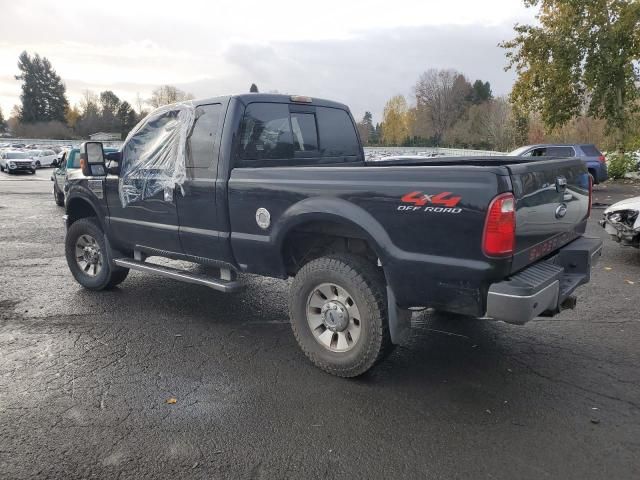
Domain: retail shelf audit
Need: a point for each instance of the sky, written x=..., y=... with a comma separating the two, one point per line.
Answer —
x=357, y=52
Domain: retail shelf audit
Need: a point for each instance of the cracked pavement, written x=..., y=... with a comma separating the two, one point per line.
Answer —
x=85, y=378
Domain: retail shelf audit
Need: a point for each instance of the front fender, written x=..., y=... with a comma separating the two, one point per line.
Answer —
x=78, y=203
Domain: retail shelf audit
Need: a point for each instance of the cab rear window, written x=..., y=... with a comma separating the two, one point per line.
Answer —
x=270, y=131
x=266, y=132
x=337, y=133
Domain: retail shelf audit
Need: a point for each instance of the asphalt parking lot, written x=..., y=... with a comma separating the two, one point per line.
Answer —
x=87, y=379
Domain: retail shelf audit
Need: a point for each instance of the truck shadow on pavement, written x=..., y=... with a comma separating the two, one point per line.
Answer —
x=454, y=362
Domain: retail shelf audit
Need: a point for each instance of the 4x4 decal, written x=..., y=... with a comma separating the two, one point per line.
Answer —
x=443, y=202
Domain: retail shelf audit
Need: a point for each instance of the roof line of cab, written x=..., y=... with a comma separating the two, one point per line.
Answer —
x=247, y=98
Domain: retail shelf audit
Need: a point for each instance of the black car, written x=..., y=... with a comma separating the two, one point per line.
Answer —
x=278, y=186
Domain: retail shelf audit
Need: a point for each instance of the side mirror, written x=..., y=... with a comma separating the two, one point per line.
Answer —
x=92, y=159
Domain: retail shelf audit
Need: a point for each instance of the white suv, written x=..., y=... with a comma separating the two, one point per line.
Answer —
x=12, y=161
x=43, y=158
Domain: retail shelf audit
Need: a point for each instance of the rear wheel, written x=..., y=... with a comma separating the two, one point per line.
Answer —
x=86, y=254
x=38, y=164
x=338, y=311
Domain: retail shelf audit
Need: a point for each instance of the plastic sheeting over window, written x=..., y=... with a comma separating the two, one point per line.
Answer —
x=154, y=155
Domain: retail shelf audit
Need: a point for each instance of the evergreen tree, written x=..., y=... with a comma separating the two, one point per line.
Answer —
x=378, y=134
x=127, y=118
x=366, y=129
x=367, y=121
x=43, y=93
x=481, y=92
x=109, y=104
x=254, y=88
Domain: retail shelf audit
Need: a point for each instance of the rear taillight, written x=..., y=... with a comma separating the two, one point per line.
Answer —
x=499, y=236
x=590, y=195
x=602, y=159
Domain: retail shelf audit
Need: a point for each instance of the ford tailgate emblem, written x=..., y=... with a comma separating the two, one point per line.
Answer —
x=561, y=184
x=561, y=211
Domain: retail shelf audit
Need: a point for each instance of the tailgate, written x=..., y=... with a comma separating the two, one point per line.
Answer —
x=552, y=204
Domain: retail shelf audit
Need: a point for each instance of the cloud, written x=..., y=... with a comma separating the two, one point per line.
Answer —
x=362, y=69
x=366, y=70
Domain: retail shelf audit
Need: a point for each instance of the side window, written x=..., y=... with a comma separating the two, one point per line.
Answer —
x=539, y=152
x=266, y=132
x=305, y=133
x=337, y=133
x=560, y=152
x=204, y=141
x=149, y=147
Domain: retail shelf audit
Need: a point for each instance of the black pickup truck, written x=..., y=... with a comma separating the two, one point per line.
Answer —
x=278, y=186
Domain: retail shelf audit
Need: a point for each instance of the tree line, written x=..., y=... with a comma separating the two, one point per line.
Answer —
x=578, y=80
x=447, y=109
x=45, y=111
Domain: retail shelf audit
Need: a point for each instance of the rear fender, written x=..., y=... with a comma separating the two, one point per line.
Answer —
x=320, y=209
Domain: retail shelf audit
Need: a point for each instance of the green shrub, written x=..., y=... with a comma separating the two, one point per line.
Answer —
x=620, y=164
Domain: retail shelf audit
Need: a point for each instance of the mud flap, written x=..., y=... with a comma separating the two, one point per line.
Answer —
x=399, y=319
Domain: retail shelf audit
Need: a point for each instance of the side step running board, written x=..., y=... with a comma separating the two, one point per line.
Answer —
x=225, y=286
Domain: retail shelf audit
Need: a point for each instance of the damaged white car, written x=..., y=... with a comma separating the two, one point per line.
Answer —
x=622, y=221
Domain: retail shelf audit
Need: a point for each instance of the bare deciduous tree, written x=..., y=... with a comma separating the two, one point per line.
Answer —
x=167, y=94
x=440, y=98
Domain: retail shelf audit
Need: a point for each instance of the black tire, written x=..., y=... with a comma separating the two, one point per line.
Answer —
x=58, y=197
x=37, y=163
x=107, y=277
x=118, y=276
x=1, y=168
x=33, y=171
x=366, y=284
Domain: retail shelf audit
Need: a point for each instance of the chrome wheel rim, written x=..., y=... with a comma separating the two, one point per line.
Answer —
x=333, y=317
x=88, y=255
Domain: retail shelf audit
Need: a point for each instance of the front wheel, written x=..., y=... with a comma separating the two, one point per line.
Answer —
x=58, y=197
x=338, y=310
x=86, y=254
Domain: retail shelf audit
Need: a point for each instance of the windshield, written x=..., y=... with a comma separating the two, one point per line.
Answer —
x=73, y=157
x=518, y=151
x=17, y=155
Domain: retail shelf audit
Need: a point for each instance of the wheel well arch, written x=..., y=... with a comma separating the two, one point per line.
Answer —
x=312, y=239
x=78, y=208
